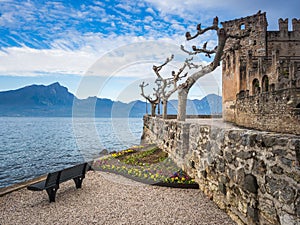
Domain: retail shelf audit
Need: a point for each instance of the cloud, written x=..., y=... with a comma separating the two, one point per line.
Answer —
x=193, y=11
x=25, y=61
x=151, y=11
x=63, y=59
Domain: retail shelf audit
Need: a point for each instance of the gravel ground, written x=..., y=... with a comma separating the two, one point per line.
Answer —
x=111, y=199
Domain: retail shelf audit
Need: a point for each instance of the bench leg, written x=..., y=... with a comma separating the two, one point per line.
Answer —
x=52, y=193
x=78, y=181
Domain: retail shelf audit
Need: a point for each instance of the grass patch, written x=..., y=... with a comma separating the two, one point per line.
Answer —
x=153, y=155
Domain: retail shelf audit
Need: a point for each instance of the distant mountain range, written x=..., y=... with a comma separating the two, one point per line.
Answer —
x=56, y=101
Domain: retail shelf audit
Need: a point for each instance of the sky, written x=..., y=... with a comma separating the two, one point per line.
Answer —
x=107, y=48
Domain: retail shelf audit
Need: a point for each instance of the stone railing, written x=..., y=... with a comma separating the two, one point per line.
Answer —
x=253, y=175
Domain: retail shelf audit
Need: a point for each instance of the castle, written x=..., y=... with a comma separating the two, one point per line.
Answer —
x=261, y=80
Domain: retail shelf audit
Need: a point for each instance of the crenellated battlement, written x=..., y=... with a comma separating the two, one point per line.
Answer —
x=283, y=26
x=284, y=31
x=296, y=25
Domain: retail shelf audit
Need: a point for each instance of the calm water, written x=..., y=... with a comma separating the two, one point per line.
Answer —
x=30, y=147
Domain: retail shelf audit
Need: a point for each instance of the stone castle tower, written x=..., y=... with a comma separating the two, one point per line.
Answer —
x=261, y=80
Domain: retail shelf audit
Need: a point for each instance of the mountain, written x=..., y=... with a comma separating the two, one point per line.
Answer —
x=211, y=104
x=56, y=101
x=37, y=100
x=38, y=95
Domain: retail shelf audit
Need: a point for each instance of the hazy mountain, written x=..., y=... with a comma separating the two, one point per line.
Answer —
x=55, y=100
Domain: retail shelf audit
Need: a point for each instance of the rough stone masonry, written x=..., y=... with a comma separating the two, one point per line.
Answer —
x=253, y=175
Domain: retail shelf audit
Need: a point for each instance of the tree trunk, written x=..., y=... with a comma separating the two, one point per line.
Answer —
x=165, y=112
x=153, y=107
x=182, y=99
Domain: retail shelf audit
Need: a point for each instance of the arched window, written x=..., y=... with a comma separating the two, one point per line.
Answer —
x=265, y=84
x=255, y=86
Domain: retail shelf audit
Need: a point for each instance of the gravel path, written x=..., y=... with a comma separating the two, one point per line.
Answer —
x=111, y=199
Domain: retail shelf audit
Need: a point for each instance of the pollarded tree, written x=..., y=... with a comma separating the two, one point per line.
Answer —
x=153, y=101
x=218, y=53
x=167, y=86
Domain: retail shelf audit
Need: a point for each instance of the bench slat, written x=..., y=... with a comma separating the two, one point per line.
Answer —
x=72, y=172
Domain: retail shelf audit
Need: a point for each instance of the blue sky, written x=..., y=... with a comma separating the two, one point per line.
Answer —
x=106, y=48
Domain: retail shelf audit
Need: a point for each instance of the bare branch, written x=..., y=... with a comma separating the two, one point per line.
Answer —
x=156, y=69
x=186, y=51
x=142, y=86
x=176, y=76
x=192, y=65
x=200, y=31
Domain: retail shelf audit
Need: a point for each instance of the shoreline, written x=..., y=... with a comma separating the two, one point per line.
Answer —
x=21, y=185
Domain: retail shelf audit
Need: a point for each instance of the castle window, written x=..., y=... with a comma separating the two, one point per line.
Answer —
x=255, y=87
x=265, y=84
x=242, y=26
x=254, y=42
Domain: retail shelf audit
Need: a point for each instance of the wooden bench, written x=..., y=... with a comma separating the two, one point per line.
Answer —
x=51, y=184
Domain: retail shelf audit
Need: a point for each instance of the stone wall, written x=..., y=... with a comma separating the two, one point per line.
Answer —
x=271, y=111
x=254, y=176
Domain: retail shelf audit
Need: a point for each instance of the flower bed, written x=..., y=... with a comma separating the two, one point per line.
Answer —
x=147, y=165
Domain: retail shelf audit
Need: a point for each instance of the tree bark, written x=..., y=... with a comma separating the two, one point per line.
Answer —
x=184, y=89
x=165, y=109
x=153, y=107
x=182, y=99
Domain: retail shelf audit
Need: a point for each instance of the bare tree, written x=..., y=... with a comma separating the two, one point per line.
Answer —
x=167, y=86
x=218, y=53
x=153, y=101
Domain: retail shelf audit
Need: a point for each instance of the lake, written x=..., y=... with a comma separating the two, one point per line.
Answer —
x=31, y=147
